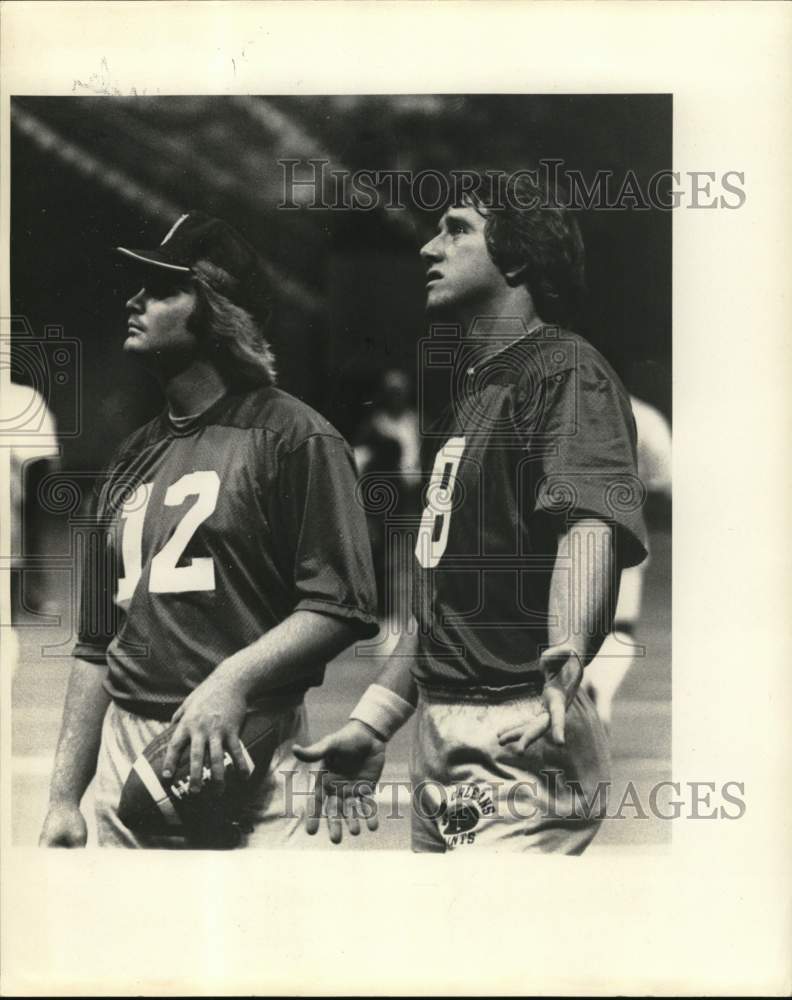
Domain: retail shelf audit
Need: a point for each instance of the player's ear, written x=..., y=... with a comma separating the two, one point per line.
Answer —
x=515, y=275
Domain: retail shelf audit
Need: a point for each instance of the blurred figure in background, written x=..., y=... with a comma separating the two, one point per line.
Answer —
x=31, y=443
x=34, y=454
x=605, y=674
x=395, y=419
x=387, y=444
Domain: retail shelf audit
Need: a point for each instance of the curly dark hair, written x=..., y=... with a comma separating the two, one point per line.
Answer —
x=529, y=230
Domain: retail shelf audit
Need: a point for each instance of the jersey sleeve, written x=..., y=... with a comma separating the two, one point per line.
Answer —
x=320, y=530
x=585, y=443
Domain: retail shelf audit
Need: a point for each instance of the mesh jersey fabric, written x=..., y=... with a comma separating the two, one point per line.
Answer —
x=538, y=436
x=210, y=534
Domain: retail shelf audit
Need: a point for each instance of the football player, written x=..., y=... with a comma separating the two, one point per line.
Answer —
x=532, y=508
x=237, y=561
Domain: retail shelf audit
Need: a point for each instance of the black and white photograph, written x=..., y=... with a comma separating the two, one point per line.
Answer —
x=350, y=428
x=342, y=507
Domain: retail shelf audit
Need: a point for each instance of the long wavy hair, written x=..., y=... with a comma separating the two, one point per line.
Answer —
x=235, y=340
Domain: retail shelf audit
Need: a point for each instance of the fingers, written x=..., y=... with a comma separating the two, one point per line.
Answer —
x=216, y=757
x=524, y=734
x=552, y=719
x=313, y=814
x=367, y=806
x=61, y=839
x=177, y=742
x=235, y=749
x=564, y=671
x=333, y=812
x=338, y=795
x=71, y=839
x=562, y=667
x=554, y=658
x=216, y=742
x=372, y=822
x=560, y=692
x=350, y=808
x=312, y=753
x=314, y=810
x=530, y=735
x=555, y=699
x=340, y=808
x=64, y=831
x=197, y=754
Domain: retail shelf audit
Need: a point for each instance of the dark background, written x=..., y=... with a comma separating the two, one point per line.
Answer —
x=90, y=173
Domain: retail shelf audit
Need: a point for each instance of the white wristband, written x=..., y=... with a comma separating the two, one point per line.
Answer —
x=382, y=710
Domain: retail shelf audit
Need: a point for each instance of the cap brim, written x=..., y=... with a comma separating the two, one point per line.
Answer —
x=153, y=258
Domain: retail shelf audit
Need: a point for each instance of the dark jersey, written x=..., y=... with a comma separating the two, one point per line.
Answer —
x=216, y=532
x=539, y=435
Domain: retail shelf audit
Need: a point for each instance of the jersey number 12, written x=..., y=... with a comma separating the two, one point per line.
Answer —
x=166, y=577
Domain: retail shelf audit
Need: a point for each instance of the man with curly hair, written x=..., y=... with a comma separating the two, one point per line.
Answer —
x=532, y=509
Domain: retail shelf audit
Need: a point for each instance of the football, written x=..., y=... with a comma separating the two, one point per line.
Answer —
x=152, y=806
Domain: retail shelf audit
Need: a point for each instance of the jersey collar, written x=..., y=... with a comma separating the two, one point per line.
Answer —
x=509, y=332
x=182, y=426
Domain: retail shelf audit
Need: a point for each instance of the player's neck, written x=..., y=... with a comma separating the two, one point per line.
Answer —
x=194, y=390
x=504, y=321
x=511, y=308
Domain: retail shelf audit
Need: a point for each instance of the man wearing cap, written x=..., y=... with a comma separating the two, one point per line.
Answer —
x=237, y=562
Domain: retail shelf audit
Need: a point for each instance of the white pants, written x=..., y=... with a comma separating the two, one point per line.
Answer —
x=273, y=811
x=471, y=793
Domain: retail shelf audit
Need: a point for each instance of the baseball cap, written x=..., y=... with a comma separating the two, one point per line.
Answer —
x=237, y=271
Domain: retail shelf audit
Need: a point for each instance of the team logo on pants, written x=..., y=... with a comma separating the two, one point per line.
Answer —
x=462, y=813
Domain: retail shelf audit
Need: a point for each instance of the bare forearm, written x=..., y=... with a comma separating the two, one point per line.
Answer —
x=388, y=703
x=397, y=672
x=288, y=652
x=81, y=731
x=583, y=589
